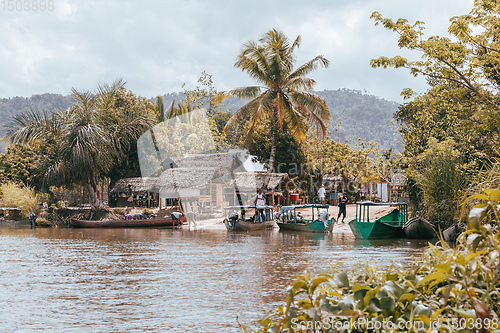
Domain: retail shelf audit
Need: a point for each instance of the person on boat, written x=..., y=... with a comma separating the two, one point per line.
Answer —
x=176, y=216
x=342, y=207
x=261, y=199
x=321, y=194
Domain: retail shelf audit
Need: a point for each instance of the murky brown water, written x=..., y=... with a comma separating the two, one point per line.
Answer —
x=124, y=280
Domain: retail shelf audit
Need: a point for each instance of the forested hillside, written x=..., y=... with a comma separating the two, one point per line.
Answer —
x=15, y=105
x=362, y=115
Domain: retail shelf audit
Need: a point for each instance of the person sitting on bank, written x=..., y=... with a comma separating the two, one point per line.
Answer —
x=342, y=207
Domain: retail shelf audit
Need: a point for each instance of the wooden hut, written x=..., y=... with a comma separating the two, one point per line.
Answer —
x=135, y=192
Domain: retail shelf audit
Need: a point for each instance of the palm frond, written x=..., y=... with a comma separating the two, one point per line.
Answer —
x=310, y=66
x=244, y=92
x=243, y=113
x=34, y=125
x=313, y=103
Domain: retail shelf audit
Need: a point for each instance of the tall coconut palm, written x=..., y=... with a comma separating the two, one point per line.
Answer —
x=282, y=96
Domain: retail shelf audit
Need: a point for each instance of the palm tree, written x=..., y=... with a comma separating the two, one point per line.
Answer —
x=87, y=140
x=282, y=96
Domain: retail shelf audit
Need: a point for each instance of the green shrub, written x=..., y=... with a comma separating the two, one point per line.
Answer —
x=448, y=289
x=14, y=195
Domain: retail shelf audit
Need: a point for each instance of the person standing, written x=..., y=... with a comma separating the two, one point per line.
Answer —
x=321, y=194
x=32, y=220
x=342, y=207
x=191, y=217
x=261, y=199
x=363, y=193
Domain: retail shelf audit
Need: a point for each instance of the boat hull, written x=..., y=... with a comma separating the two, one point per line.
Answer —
x=419, y=228
x=243, y=225
x=311, y=226
x=144, y=223
x=388, y=226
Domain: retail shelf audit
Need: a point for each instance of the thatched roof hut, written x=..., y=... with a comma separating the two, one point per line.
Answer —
x=253, y=181
x=137, y=184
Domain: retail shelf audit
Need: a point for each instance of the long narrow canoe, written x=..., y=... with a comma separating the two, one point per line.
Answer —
x=419, y=228
x=144, y=223
x=248, y=218
x=387, y=226
x=290, y=219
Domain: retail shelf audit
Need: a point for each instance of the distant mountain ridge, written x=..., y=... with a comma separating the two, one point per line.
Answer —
x=362, y=115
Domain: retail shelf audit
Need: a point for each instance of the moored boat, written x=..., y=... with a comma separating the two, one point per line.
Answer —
x=419, y=228
x=248, y=218
x=387, y=226
x=142, y=223
x=290, y=218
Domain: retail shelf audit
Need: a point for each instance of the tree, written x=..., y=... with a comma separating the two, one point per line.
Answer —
x=466, y=65
x=282, y=96
x=86, y=141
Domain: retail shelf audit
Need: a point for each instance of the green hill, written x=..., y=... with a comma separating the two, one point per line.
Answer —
x=362, y=115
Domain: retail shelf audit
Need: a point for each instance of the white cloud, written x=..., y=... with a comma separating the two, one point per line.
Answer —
x=157, y=46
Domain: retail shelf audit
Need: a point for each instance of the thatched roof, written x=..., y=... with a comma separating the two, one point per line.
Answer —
x=223, y=161
x=138, y=184
x=398, y=179
x=191, y=171
x=188, y=177
x=252, y=181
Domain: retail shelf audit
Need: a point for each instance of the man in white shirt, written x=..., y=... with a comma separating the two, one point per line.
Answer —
x=321, y=194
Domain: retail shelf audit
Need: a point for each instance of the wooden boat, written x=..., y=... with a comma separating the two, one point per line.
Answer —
x=142, y=223
x=419, y=228
x=247, y=218
x=451, y=234
x=290, y=218
x=387, y=226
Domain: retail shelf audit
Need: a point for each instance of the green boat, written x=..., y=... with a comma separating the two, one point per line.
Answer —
x=290, y=218
x=387, y=226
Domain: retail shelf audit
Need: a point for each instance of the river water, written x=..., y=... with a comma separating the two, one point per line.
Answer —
x=153, y=280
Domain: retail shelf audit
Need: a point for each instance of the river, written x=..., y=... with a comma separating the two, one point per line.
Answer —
x=153, y=280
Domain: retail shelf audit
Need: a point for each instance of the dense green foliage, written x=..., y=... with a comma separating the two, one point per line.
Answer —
x=462, y=103
x=448, y=289
x=439, y=177
x=14, y=195
x=91, y=140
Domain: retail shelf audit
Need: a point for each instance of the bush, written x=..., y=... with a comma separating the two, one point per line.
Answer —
x=449, y=289
x=19, y=196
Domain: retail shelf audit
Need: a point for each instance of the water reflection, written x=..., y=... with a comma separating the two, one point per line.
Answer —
x=110, y=280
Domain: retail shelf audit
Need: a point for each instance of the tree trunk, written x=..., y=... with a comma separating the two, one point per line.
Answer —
x=94, y=193
x=272, y=156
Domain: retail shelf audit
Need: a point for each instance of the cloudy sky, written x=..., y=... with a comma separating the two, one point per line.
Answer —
x=156, y=46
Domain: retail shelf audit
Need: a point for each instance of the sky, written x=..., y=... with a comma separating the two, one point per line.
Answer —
x=157, y=46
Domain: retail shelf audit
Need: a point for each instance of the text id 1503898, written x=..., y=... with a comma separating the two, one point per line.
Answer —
x=27, y=5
